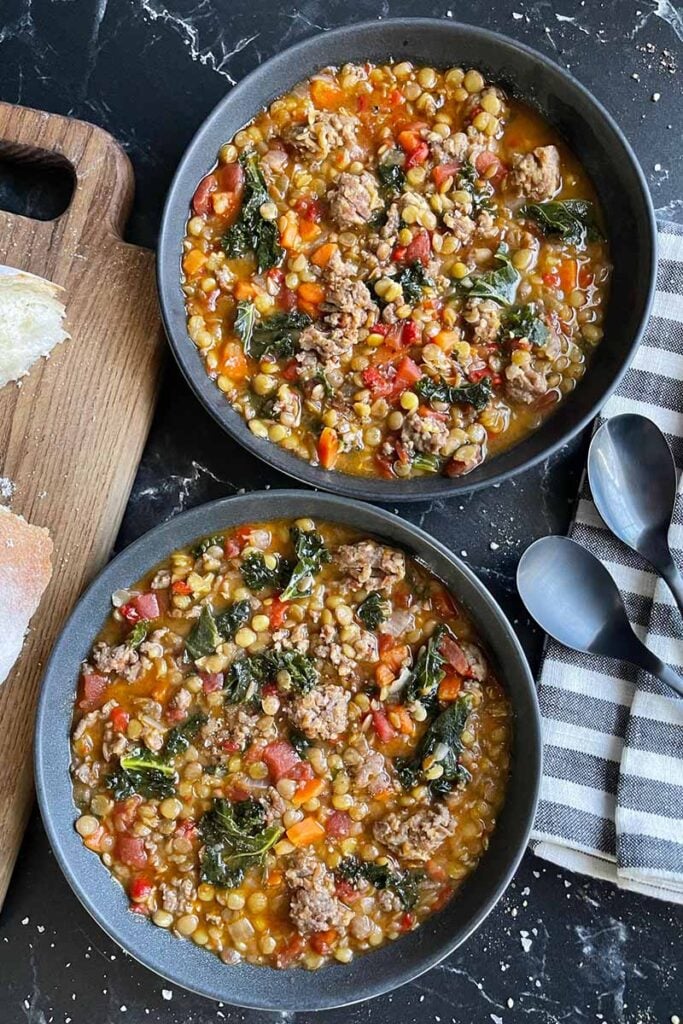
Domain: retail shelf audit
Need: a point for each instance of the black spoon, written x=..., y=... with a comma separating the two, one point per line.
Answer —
x=633, y=481
x=574, y=599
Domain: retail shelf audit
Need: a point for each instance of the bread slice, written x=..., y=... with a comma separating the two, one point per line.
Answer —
x=25, y=571
x=31, y=316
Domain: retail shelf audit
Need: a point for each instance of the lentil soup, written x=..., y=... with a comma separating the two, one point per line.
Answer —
x=288, y=744
x=395, y=270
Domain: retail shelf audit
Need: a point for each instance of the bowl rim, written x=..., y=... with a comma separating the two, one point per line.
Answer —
x=187, y=965
x=192, y=367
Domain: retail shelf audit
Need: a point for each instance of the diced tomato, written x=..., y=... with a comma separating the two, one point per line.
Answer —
x=552, y=279
x=147, y=606
x=140, y=888
x=363, y=102
x=338, y=825
x=229, y=746
x=277, y=276
x=403, y=453
x=174, y=714
x=140, y=908
x=384, y=466
x=290, y=951
x=211, y=681
x=418, y=155
x=444, y=603
x=585, y=277
x=487, y=159
x=181, y=587
x=407, y=373
x=476, y=375
x=288, y=299
x=277, y=613
x=94, y=688
x=232, y=548
x=187, y=827
x=130, y=850
x=291, y=371
x=454, y=655
x=125, y=812
x=130, y=613
x=254, y=753
x=322, y=942
x=301, y=772
x=383, y=726
x=281, y=758
x=309, y=208
x=377, y=381
x=419, y=250
x=411, y=333
x=442, y=898
x=407, y=922
x=346, y=892
x=399, y=253
x=230, y=177
x=409, y=139
x=443, y=171
x=396, y=98
x=201, y=200
x=119, y=719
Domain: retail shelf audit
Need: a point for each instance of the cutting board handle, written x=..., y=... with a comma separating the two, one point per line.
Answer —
x=103, y=176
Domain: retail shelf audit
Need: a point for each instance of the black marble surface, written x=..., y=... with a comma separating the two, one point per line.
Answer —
x=558, y=947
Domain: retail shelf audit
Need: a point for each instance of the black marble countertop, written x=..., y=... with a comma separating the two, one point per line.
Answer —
x=558, y=947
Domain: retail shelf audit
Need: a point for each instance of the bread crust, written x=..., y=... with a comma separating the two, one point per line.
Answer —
x=25, y=571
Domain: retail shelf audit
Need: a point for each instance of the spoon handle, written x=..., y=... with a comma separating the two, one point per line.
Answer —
x=656, y=667
x=674, y=582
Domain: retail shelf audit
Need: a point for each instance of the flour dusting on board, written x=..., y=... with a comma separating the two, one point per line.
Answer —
x=6, y=488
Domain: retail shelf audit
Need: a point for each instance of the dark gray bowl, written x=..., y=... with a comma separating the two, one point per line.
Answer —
x=186, y=964
x=586, y=126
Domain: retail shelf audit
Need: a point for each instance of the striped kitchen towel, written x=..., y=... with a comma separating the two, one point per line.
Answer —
x=612, y=791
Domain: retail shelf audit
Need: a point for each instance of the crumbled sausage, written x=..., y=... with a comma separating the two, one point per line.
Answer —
x=369, y=769
x=230, y=731
x=353, y=199
x=524, y=383
x=462, y=226
x=348, y=304
x=416, y=837
x=330, y=346
x=322, y=133
x=313, y=905
x=483, y=316
x=372, y=565
x=536, y=175
x=425, y=434
x=122, y=660
x=322, y=714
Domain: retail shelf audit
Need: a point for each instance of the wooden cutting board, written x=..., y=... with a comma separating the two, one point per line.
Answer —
x=72, y=434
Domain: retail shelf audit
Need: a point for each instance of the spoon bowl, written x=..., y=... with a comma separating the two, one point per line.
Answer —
x=632, y=477
x=572, y=596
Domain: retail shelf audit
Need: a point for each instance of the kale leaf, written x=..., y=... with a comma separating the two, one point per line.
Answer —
x=372, y=612
x=523, y=322
x=480, y=193
x=572, y=220
x=275, y=335
x=144, y=772
x=180, y=737
x=251, y=232
x=302, y=671
x=437, y=390
x=245, y=320
x=203, y=638
x=404, y=883
x=204, y=545
x=311, y=555
x=392, y=177
x=230, y=620
x=446, y=730
x=247, y=675
x=426, y=461
x=236, y=838
x=412, y=280
x=299, y=741
x=428, y=672
x=138, y=633
x=258, y=576
x=498, y=285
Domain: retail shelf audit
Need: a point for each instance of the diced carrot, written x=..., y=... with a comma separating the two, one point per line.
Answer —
x=325, y=94
x=289, y=231
x=305, y=832
x=568, y=271
x=244, y=290
x=384, y=676
x=311, y=292
x=324, y=253
x=234, y=363
x=309, y=230
x=446, y=340
x=274, y=879
x=328, y=447
x=307, y=791
x=322, y=942
x=436, y=871
x=193, y=262
x=402, y=719
x=450, y=687
x=409, y=140
x=277, y=612
x=395, y=657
